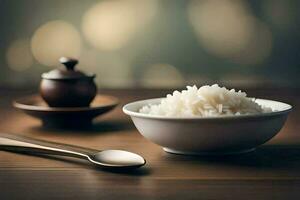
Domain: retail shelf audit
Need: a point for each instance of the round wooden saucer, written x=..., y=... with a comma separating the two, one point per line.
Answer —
x=65, y=116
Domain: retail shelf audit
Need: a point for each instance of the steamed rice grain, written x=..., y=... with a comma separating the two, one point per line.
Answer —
x=207, y=101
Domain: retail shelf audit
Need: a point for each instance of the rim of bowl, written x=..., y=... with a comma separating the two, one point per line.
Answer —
x=287, y=108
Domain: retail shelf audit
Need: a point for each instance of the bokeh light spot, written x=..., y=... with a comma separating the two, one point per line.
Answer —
x=112, y=70
x=228, y=29
x=162, y=76
x=109, y=25
x=53, y=40
x=18, y=55
x=258, y=49
x=223, y=27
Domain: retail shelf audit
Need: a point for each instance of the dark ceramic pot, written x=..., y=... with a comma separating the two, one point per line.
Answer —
x=68, y=87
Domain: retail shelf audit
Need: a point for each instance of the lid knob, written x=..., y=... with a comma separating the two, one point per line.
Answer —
x=69, y=63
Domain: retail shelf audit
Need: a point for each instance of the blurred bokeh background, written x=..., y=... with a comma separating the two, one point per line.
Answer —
x=153, y=43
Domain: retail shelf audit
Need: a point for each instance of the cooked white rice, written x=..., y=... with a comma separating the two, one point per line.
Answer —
x=207, y=101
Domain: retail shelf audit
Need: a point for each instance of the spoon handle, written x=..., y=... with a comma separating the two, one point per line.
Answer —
x=21, y=144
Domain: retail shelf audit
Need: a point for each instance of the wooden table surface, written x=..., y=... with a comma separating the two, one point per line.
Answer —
x=271, y=172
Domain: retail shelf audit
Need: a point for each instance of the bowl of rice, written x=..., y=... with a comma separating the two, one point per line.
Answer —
x=208, y=120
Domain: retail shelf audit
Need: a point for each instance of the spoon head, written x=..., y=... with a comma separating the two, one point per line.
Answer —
x=117, y=159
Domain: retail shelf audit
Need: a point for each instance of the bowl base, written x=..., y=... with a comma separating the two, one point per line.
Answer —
x=207, y=153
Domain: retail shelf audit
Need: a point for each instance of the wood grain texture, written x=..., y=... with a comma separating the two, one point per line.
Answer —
x=271, y=172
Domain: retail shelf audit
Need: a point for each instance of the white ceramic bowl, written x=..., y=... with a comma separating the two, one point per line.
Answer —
x=209, y=135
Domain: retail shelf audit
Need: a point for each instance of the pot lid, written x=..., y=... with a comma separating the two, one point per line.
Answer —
x=68, y=73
